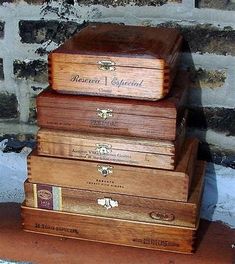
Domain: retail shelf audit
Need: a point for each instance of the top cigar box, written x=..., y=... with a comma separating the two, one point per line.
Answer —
x=117, y=61
x=163, y=119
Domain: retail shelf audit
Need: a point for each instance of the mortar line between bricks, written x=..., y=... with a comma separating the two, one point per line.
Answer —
x=167, y=12
x=11, y=40
x=214, y=138
x=11, y=128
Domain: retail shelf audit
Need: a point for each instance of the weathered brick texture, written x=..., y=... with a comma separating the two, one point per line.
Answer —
x=216, y=155
x=199, y=38
x=41, y=31
x=1, y=70
x=33, y=70
x=125, y=2
x=32, y=111
x=206, y=38
x=37, y=2
x=216, y=4
x=201, y=78
x=218, y=119
x=2, y=25
x=8, y=106
x=113, y=3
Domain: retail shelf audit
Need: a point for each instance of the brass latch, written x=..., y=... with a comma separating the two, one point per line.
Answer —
x=105, y=170
x=163, y=216
x=106, y=65
x=103, y=149
x=107, y=203
x=104, y=113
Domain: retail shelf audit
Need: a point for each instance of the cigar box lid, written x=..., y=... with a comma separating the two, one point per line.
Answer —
x=166, y=108
x=142, y=46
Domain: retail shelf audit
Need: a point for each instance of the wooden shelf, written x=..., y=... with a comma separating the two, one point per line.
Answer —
x=214, y=246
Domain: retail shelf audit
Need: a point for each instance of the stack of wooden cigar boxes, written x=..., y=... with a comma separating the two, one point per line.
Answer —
x=112, y=162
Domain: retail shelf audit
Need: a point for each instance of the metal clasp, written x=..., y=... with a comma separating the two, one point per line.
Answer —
x=163, y=216
x=103, y=149
x=107, y=203
x=106, y=65
x=104, y=113
x=105, y=170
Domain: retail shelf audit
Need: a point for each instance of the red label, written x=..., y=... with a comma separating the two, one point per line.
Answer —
x=44, y=197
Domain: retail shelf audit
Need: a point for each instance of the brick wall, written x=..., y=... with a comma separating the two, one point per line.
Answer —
x=30, y=29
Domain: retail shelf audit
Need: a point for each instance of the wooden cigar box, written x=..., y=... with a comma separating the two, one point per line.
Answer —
x=109, y=230
x=117, y=61
x=163, y=119
x=119, y=206
x=110, y=148
x=115, y=178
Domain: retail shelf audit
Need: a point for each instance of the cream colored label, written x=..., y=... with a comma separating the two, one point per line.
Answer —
x=95, y=155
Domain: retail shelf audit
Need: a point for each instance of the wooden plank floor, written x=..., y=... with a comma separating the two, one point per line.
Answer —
x=214, y=246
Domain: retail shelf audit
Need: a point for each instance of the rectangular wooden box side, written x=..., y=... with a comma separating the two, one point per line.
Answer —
x=172, y=185
x=106, y=148
x=67, y=74
x=125, y=207
x=107, y=230
x=157, y=120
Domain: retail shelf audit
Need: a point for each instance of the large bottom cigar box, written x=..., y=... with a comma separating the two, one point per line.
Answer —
x=119, y=206
x=114, y=178
x=109, y=148
x=109, y=230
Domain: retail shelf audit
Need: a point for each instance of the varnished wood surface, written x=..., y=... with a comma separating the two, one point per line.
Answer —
x=141, y=58
x=128, y=207
x=158, y=120
x=122, y=41
x=105, y=148
x=214, y=245
x=109, y=230
x=131, y=180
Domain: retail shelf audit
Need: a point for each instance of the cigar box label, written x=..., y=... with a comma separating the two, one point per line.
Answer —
x=155, y=242
x=103, y=153
x=56, y=228
x=107, y=81
x=47, y=197
x=104, y=124
x=106, y=183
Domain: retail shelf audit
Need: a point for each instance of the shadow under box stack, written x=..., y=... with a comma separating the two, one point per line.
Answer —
x=112, y=162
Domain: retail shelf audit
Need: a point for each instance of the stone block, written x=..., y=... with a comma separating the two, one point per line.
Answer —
x=202, y=78
x=8, y=106
x=217, y=119
x=35, y=70
x=41, y=31
x=205, y=38
x=1, y=70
